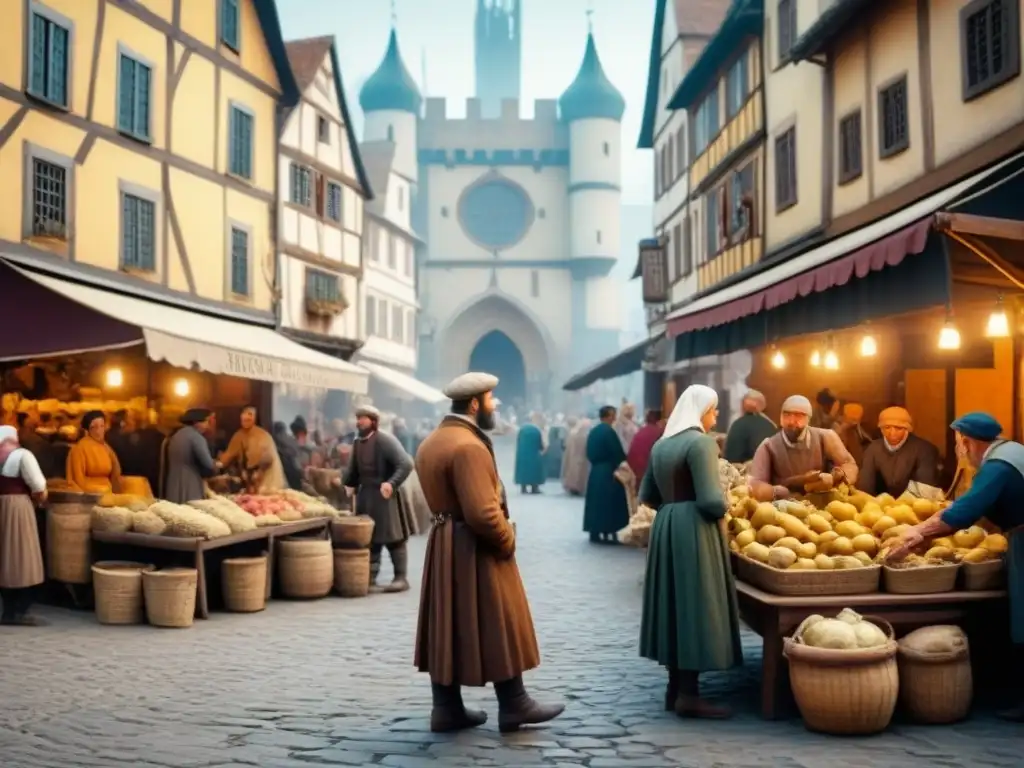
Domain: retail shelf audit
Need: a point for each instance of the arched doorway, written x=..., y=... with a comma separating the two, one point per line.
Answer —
x=496, y=353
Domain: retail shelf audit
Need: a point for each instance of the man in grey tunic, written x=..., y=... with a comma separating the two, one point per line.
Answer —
x=378, y=467
x=187, y=461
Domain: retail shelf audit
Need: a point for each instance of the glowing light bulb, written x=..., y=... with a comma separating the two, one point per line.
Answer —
x=181, y=387
x=949, y=336
x=831, y=361
x=998, y=325
x=114, y=377
x=816, y=359
x=868, y=347
x=778, y=360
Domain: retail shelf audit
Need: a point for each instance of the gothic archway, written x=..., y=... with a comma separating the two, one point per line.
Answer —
x=496, y=353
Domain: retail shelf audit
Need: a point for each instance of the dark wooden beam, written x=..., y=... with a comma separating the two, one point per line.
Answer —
x=980, y=226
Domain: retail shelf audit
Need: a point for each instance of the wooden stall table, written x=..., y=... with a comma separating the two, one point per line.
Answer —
x=775, y=617
x=198, y=547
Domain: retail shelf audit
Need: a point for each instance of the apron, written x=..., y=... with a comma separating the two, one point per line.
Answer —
x=1013, y=454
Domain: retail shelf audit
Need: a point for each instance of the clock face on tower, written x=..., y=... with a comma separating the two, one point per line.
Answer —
x=495, y=213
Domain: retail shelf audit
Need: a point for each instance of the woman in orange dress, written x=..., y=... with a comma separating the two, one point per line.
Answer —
x=92, y=465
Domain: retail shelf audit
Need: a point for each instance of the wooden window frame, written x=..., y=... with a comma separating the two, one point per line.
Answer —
x=323, y=130
x=153, y=197
x=68, y=25
x=786, y=198
x=229, y=284
x=303, y=195
x=241, y=109
x=236, y=44
x=332, y=187
x=31, y=153
x=788, y=25
x=846, y=174
x=903, y=144
x=1011, y=48
x=139, y=62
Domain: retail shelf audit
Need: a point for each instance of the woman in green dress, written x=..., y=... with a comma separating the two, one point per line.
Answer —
x=690, y=619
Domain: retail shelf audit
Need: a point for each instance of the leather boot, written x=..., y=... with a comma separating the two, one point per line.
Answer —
x=672, y=690
x=449, y=713
x=10, y=601
x=400, y=561
x=690, y=704
x=375, y=556
x=517, y=708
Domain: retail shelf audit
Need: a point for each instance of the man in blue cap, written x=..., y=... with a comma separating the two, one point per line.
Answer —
x=996, y=494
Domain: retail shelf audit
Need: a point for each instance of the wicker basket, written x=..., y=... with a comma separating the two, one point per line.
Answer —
x=354, y=532
x=352, y=572
x=979, y=577
x=935, y=688
x=170, y=596
x=306, y=568
x=922, y=580
x=852, y=581
x=117, y=587
x=844, y=692
x=244, y=583
x=69, y=536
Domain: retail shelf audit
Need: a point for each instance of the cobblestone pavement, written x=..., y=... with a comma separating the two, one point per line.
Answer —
x=331, y=683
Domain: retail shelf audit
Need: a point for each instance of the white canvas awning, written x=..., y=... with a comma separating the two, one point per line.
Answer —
x=404, y=383
x=186, y=339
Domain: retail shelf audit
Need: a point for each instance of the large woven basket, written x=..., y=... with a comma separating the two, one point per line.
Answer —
x=355, y=532
x=244, y=583
x=69, y=536
x=935, y=688
x=922, y=580
x=306, y=568
x=850, y=581
x=844, y=692
x=117, y=587
x=979, y=577
x=352, y=572
x=170, y=596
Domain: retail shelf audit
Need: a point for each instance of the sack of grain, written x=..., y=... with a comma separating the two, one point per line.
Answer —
x=148, y=522
x=238, y=520
x=289, y=515
x=264, y=520
x=112, y=519
x=941, y=639
x=188, y=522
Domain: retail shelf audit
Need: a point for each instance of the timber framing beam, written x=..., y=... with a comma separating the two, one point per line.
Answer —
x=980, y=226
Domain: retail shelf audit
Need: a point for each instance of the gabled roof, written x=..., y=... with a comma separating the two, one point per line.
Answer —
x=270, y=24
x=698, y=19
x=305, y=58
x=744, y=19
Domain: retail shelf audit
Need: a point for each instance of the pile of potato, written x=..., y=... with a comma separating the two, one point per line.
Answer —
x=795, y=535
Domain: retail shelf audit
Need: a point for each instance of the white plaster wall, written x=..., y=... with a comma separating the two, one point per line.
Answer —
x=588, y=161
x=293, y=302
x=550, y=307
x=403, y=134
x=397, y=203
x=596, y=223
x=604, y=303
x=671, y=199
x=547, y=239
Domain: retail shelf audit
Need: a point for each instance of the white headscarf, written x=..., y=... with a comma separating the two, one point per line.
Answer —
x=690, y=409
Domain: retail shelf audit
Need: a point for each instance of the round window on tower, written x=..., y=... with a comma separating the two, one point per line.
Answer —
x=495, y=213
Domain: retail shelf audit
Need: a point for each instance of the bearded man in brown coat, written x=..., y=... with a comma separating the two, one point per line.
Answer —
x=474, y=624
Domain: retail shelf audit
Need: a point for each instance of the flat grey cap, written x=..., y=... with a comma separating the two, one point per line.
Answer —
x=368, y=410
x=470, y=385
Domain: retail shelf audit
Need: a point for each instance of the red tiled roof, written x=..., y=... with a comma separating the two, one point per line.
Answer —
x=700, y=17
x=306, y=57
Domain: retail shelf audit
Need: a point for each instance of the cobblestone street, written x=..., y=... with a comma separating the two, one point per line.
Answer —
x=331, y=683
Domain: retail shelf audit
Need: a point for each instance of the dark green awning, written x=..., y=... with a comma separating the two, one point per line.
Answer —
x=623, y=363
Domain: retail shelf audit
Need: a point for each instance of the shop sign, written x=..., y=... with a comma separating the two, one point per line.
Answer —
x=269, y=369
x=654, y=266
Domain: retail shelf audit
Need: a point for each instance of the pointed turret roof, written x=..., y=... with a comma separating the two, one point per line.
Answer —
x=591, y=93
x=391, y=86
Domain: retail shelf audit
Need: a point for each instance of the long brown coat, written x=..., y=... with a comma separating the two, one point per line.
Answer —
x=474, y=625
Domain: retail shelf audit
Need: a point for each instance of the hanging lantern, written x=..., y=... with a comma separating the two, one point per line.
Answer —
x=998, y=323
x=949, y=336
x=816, y=359
x=778, y=360
x=831, y=360
x=868, y=346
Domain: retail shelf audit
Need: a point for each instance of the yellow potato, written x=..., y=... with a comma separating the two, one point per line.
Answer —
x=737, y=525
x=865, y=543
x=939, y=553
x=812, y=537
x=841, y=510
x=850, y=528
x=864, y=558
x=841, y=546
x=924, y=508
x=860, y=500
x=803, y=564
x=780, y=557
x=749, y=506
x=789, y=543
x=807, y=550
x=883, y=525
x=944, y=541
x=896, y=530
x=734, y=546
x=763, y=515
x=817, y=523
x=978, y=555
x=793, y=525
x=757, y=552
x=745, y=537
x=870, y=515
x=970, y=538
x=995, y=542
x=743, y=491
x=769, y=534
x=846, y=562
x=959, y=552
x=901, y=513
x=824, y=563
x=885, y=500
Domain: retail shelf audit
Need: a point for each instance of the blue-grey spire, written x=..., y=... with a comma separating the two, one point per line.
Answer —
x=591, y=93
x=391, y=87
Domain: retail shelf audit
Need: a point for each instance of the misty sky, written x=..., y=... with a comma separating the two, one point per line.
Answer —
x=441, y=31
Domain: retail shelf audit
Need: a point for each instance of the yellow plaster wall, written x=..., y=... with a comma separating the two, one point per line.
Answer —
x=162, y=8
x=234, y=89
x=199, y=20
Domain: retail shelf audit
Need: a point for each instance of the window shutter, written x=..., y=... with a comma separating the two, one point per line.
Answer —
x=125, y=94
x=38, y=79
x=58, y=85
x=141, y=100
x=723, y=215
x=146, y=214
x=129, y=232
